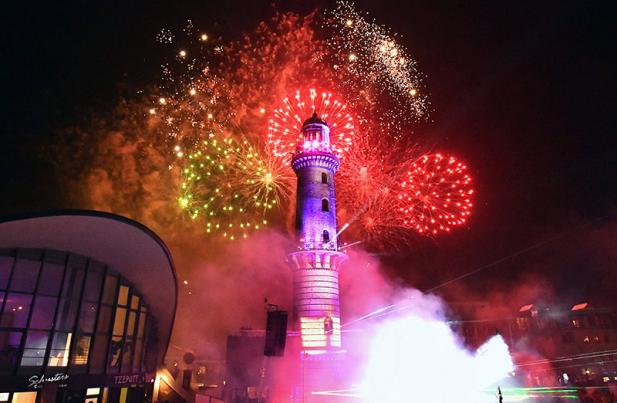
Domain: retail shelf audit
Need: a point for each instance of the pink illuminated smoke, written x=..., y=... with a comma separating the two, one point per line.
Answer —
x=418, y=358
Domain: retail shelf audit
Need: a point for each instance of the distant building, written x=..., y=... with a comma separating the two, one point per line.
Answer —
x=87, y=304
x=555, y=345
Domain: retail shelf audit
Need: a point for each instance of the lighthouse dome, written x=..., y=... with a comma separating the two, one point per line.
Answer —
x=314, y=119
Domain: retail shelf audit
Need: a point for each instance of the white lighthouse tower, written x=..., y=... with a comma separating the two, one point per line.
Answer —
x=316, y=265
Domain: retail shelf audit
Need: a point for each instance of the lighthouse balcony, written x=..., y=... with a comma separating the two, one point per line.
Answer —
x=318, y=159
x=316, y=259
x=318, y=246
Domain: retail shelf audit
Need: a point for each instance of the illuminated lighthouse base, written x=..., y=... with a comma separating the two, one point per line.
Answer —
x=318, y=319
x=316, y=299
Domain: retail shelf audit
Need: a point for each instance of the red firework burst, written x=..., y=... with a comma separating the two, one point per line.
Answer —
x=367, y=190
x=286, y=122
x=436, y=194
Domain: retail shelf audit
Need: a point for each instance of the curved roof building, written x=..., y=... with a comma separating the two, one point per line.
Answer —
x=87, y=305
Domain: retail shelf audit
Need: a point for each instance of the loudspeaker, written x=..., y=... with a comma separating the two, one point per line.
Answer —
x=187, y=376
x=276, y=333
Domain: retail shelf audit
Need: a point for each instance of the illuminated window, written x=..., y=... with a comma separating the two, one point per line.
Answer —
x=119, y=321
x=115, y=349
x=327, y=325
x=81, y=350
x=4, y=397
x=59, y=354
x=104, y=398
x=124, y=392
x=134, y=302
x=325, y=205
x=324, y=177
x=93, y=391
x=326, y=236
x=24, y=397
x=123, y=295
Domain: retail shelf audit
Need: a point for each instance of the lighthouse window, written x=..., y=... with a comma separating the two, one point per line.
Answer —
x=325, y=205
x=327, y=325
x=326, y=236
x=324, y=177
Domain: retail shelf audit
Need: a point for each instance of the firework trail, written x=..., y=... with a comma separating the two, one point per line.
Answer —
x=377, y=69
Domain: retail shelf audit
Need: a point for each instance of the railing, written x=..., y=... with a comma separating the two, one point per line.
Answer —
x=319, y=246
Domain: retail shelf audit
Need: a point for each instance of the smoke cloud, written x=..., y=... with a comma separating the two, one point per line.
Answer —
x=416, y=354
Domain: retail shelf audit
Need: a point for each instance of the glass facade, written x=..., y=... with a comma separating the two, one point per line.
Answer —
x=61, y=312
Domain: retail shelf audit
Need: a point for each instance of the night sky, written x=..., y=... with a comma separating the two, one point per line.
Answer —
x=523, y=91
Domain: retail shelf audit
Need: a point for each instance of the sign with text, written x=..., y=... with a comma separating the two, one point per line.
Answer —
x=38, y=381
x=72, y=381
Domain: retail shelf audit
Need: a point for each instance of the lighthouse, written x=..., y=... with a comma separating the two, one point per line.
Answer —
x=317, y=262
